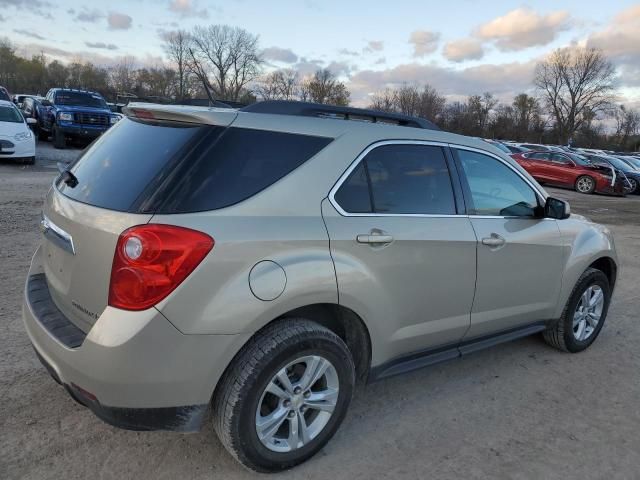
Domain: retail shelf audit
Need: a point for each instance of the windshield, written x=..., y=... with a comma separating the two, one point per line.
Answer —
x=80, y=99
x=10, y=114
x=619, y=164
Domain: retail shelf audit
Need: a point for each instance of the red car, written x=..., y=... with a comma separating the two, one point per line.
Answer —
x=570, y=170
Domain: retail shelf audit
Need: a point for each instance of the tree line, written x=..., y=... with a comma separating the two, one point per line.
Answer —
x=573, y=99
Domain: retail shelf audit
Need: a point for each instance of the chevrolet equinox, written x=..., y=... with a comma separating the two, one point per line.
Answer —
x=258, y=263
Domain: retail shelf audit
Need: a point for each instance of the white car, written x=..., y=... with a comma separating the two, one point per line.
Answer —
x=16, y=138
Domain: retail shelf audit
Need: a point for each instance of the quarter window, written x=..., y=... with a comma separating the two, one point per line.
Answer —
x=399, y=179
x=494, y=188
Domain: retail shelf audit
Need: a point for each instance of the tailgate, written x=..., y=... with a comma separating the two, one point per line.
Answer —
x=78, y=246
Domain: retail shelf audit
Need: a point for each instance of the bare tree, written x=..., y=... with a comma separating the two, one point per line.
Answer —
x=385, y=101
x=176, y=45
x=574, y=81
x=279, y=85
x=411, y=100
x=123, y=75
x=324, y=87
x=225, y=59
x=627, y=124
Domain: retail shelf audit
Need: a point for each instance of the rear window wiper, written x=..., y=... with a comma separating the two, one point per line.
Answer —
x=66, y=176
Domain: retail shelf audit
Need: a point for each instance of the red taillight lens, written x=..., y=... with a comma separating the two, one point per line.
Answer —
x=151, y=261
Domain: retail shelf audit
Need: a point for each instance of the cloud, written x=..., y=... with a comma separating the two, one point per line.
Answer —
x=346, y=51
x=90, y=16
x=28, y=33
x=424, y=42
x=463, y=49
x=503, y=80
x=339, y=68
x=101, y=45
x=2, y=19
x=277, y=54
x=374, y=46
x=30, y=4
x=119, y=21
x=188, y=8
x=620, y=42
x=523, y=28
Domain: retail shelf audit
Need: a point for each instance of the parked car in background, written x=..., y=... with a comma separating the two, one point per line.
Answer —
x=513, y=148
x=564, y=169
x=4, y=94
x=74, y=114
x=18, y=98
x=259, y=263
x=32, y=107
x=17, y=141
x=629, y=174
x=632, y=160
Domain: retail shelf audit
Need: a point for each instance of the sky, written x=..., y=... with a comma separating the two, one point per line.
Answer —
x=461, y=47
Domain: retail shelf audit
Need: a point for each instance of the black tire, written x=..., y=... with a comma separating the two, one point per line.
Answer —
x=633, y=188
x=236, y=399
x=582, y=179
x=59, y=140
x=29, y=160
x=43, y=136
x=561, y=335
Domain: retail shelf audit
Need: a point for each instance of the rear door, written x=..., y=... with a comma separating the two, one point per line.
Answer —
x=520, y=256
x=404, y=254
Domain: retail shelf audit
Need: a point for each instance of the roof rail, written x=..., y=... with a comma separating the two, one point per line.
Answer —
x=307, y=109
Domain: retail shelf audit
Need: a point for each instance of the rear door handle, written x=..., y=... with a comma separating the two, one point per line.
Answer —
x=374, y=239
x=494, y=240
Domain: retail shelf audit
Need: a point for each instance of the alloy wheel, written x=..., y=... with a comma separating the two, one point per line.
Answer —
x=297, y=403
x=588, y=313
x=584, y=185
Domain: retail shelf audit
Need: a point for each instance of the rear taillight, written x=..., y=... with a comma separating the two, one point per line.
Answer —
x=151, y=261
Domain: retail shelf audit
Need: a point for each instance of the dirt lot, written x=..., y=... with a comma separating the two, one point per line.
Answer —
x=520, y=410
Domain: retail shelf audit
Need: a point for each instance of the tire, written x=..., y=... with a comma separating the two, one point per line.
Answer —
x=633, y=187
x=585, y=184
x=29, y=160
x=242, y=390
x=562, y=335
x=59, y=141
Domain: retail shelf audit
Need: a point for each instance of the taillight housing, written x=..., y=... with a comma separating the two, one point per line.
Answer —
x=151, y=260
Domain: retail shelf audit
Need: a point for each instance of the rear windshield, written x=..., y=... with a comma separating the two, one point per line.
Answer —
x=80, y=99
x=147, y=167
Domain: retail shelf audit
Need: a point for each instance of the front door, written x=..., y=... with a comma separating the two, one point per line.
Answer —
x=520, y=255
x=405, y=259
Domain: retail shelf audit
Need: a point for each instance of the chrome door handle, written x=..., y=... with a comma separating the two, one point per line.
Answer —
x=494, y=240
x=374, y=239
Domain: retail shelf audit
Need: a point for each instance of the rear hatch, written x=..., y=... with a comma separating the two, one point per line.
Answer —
x=113, y=186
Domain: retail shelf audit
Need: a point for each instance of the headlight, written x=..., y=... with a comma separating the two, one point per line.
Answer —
x=115, y=119
x=65, y=117
x=23, y=136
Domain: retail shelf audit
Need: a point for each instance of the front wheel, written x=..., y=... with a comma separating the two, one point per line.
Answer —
x=585, y=184
x=284, y=396
x=631, y=186
x=584, y=314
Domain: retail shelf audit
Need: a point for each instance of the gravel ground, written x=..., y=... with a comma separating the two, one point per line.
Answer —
x=519, y=410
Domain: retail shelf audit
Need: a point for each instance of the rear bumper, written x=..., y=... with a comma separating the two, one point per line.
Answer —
x=134, y=370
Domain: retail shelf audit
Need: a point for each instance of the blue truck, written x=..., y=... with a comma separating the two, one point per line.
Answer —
x=69, y=114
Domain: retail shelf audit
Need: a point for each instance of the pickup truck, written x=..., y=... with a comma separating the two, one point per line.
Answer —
x=72, y=114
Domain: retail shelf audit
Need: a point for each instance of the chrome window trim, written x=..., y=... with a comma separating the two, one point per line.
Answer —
x=357, y=161
x=364, y=153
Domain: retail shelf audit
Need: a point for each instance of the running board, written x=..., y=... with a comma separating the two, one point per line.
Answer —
x=432, y=356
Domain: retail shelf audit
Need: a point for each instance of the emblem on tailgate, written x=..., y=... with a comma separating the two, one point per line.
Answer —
x=84, y=310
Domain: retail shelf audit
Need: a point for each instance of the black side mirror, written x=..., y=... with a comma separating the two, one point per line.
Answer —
x=556, y=208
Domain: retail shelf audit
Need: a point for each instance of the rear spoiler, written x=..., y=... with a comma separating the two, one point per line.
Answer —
x=181, y=113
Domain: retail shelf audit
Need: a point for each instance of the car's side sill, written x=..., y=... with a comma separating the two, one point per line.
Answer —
x=448, y=352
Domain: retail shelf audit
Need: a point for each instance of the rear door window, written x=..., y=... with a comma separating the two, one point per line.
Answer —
x=402, y=179
x=171, y=167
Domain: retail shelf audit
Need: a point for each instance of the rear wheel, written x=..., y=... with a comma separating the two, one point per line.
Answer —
x=585, y=184
x=631, y=185
x=284, y=396
x=59, y=141
x=583, y=315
